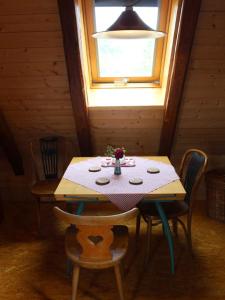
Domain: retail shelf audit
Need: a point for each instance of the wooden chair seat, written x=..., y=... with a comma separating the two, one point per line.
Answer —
x=45, y=188
x=172, y=209
x=118, y=249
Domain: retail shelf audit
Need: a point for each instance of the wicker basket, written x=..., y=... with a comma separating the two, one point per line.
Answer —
x=215, y=183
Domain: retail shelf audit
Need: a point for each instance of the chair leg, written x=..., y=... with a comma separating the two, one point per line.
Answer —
x=76, y=272
x=149, y=238
x=174, y=224
x=189, y=219
x=137, y=235
x=38, y=215
x=186, y=235
x=118, y=281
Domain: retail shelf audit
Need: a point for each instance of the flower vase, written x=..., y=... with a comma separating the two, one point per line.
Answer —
x=117, y=169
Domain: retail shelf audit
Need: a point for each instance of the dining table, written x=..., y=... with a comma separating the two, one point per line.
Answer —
x=79, y=185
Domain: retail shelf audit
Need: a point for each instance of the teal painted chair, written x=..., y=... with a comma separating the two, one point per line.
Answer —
x=193, y=166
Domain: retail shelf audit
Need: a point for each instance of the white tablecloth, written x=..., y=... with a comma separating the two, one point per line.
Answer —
x=119, y=191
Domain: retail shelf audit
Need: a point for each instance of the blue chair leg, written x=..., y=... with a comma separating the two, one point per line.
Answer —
x=79, y=210
x=167, y=233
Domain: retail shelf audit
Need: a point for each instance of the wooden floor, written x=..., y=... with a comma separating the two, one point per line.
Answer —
x=34, y=268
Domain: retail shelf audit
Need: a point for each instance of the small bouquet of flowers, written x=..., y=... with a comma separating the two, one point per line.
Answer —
x=119, y=153
x=115, y=156
x=116, y=153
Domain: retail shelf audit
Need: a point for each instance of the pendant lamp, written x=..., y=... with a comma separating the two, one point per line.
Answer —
x=129, y=26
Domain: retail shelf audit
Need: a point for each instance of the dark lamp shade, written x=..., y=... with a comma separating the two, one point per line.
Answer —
x=129, y=26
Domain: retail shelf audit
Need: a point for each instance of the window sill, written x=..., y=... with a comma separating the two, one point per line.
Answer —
x=119, y=85
x=126, y=97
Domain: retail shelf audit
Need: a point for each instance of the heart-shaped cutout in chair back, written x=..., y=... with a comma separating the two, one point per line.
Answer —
x=96, y=239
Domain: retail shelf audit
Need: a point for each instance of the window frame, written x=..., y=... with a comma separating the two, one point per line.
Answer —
x=91, y=46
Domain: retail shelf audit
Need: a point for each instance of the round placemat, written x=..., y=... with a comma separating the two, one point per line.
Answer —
x=153, y=170
x=94, y=169
x=102, y=180
x=135, y=181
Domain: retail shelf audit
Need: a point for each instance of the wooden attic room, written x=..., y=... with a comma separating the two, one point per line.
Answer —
x=112, y=157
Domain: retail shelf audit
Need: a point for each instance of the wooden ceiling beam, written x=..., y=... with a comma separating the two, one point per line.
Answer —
x=9, y=147
x=183, y=46
x=73, y=63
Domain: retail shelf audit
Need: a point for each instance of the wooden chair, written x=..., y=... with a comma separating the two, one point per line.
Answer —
x=96, y=243
x=50, y=158
x=193, y=166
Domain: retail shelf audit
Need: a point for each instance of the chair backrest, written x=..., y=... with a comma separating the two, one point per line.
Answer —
x=49, y=156
x=193, y=166
x=95, y=235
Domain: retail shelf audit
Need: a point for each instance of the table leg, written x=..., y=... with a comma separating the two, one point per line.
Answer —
x=167, y=233
x=79, y=210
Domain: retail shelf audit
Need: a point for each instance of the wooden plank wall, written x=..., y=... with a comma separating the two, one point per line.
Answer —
x=201, y=122
x=33, y=86
x=34, y=94
x=137, y=129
